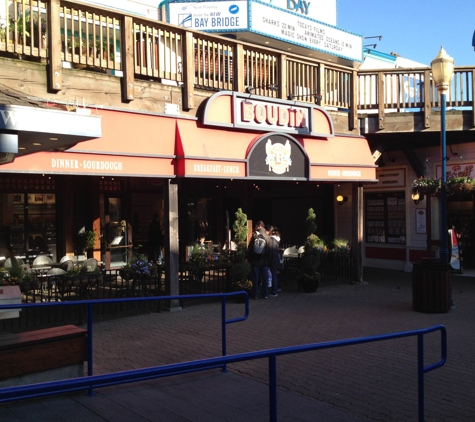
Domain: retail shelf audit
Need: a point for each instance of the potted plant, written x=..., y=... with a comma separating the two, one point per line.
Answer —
x=84, y=241
x=23, y=26
x=460, y=186
x=426, y=186
x=309, y=278
x=138, y=267
x=2, y=33
x=20, y=275
x=240, y=268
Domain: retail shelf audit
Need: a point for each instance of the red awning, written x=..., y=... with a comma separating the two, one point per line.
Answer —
x=134, y=144
x=206, y=152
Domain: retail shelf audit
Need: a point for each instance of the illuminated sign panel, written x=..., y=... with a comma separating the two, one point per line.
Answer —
x=298, y=29
x=209, y=16
x=300, y=22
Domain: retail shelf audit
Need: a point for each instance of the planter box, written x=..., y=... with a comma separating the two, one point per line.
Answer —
x=9, y=295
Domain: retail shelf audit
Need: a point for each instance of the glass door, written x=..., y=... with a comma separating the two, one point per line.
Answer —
x=116, y=232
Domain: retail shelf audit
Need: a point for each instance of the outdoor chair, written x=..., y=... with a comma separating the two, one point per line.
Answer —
x=8, y=262
x=90, y=264
x=43, y=260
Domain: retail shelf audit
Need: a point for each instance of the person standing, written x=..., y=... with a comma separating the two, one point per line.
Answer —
x=258, y=254
x=280, y=268
x=155, y=240
x=274, y=261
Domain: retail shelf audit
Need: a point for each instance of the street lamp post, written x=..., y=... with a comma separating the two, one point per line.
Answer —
x=442, y=71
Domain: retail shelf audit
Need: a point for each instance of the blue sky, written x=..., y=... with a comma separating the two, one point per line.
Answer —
x=415, y=29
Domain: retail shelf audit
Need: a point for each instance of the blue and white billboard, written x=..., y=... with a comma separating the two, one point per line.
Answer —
x=291, y=24
x=210, y=16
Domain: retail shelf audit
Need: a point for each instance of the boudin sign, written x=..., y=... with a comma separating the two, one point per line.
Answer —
x=264, y=114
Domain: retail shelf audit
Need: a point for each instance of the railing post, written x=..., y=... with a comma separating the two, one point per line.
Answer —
x=89, y=347
x=420, y=376
x=238, y=68
x=272, y=388
x=54, y=67
x=473, y=98
x=128, y=59
x=188, y=72
x=282, y=77
x=427, y=100
x=381, y=105
x=353, y=117
x=322, y=83
x=223, y=329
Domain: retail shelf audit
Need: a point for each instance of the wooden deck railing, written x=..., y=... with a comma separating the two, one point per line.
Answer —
x=412, y=90
x=102, y=39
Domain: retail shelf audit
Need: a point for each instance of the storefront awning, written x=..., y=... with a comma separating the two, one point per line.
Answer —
x=212, y=152
x=29, y=125
x=131, y=144
x=146, y=145
x=342, y=158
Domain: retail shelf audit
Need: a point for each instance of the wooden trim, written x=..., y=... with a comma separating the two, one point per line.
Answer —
x=473, y=98
x=127, y=40
x=170, y=222
x=40, y=350
x=321, y=84
x=380, y=83
x=353, y=121
x=427, y=105
x=282, y=77
x=188, y=72
x=238, y=68
x=54, y=69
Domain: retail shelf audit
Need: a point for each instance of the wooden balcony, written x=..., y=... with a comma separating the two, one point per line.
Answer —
x=68, y=50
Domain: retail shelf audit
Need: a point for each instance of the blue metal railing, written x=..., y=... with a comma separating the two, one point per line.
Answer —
x=91, y=302
x=91, y=381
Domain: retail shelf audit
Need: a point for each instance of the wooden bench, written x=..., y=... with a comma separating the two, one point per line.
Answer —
x=42, y=355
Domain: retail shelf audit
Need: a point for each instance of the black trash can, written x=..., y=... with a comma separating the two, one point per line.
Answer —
x=431, y=286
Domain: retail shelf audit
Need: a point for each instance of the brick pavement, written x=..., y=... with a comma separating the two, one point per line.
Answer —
x=372, y=382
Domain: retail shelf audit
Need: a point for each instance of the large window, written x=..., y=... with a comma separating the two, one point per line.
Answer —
x=385, y=217
x=28, y=224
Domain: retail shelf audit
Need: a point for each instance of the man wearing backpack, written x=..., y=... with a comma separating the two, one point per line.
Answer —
x=258, y=255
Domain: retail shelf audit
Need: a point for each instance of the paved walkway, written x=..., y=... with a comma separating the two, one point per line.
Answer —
x=372, y=382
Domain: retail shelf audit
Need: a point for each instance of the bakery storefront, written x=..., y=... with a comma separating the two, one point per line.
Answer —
x=270, y=157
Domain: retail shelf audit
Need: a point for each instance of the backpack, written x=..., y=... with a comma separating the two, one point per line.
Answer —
x=259, y=245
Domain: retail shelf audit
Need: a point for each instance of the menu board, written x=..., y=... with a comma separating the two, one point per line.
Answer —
x=385, y=217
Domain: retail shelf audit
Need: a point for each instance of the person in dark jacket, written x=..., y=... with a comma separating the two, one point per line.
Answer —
x=274, y=261
x=259, y=261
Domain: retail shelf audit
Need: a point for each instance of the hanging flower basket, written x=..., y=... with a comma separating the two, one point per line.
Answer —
x=425, y=186
x=460, y=186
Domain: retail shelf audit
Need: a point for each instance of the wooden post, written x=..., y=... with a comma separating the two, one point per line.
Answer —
x=238, y=68
x=188, y=71
x=282, y=77
x=357, y=233
x=54, y=68
x=127, y=59
x=429, y=225
x=380, y=100
x=321, y=84
x=353, y=115
x=172, y=286
x=473, y=96
x=427, y=99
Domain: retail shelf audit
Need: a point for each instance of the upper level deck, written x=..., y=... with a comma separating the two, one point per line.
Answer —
x=74, y=54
